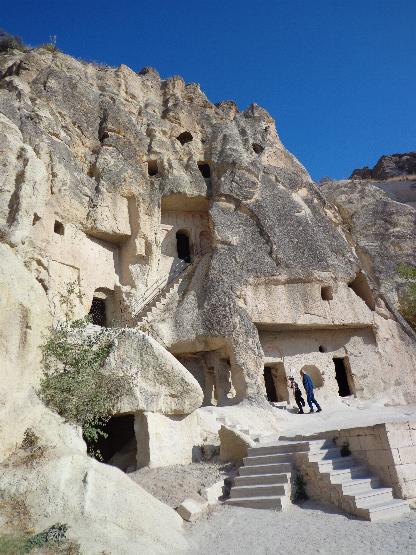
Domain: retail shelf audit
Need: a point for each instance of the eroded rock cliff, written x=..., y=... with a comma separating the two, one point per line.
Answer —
x=193, y=222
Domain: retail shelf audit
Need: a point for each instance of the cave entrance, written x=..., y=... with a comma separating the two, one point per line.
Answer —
x=98, y=313
x=183, y=246
x=269, y=383
x=343, y=376
x=275, y=381
x=120, y=442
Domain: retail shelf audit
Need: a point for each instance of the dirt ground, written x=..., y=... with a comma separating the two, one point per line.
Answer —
x=173, y=484
x=310, y=528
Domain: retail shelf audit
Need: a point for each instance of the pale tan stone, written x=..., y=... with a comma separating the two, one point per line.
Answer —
x=191, y=509
x=234, y=444
x=166, y=440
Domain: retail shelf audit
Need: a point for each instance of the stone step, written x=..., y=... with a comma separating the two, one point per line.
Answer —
x=357, y=484
x=324, y=454
x=336, y=463
x=259, y=490
x=267, y=459
x=341, y=474
x=365, y=499
x=276, y=468
x=394, y=508
x=275, y=503
x=259, y=479
x=317, y=444
x=275, y=449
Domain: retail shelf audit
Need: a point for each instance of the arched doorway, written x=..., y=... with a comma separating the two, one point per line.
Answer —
x=183, y=246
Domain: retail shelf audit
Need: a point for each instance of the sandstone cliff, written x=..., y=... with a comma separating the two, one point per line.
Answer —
x=113, y=180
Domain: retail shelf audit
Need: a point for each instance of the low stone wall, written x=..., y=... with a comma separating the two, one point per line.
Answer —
x=166, y=440
x=389, y=451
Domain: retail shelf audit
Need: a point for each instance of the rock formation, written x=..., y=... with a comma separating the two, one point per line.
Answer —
x=388, y=166
x=193, y=223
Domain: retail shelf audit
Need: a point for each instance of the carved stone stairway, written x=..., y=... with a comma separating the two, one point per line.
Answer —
x=346, y=483
x=265, y=479
x=157, y=294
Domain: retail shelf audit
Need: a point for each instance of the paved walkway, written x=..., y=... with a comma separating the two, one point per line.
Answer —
x=310, y=529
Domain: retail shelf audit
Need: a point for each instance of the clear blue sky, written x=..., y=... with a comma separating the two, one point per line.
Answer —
x=339, y=77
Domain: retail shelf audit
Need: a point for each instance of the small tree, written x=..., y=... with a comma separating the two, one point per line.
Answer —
x=74, y=383
x=407, y=299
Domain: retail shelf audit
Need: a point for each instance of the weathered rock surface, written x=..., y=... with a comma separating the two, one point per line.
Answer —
x=106, y=175
x=161, y=383
x=381, y=230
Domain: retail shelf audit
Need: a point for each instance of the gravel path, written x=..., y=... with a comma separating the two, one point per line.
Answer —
x=312, y=528
x=172, y=484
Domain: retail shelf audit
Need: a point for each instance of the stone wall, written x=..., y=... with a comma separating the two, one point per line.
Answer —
x=389, y=450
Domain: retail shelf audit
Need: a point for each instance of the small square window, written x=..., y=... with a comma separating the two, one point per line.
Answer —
x=59, y=228
x=205, y=169
x=326, y=293
x=152, y=168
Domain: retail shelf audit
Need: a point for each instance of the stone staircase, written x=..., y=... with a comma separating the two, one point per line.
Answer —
x=347, y=483
x=265, y=479
x=147, y=314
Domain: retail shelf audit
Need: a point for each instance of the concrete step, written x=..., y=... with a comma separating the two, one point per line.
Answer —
x=317, y=444
x=385, y=510
x=358, y=484
x=275, y=503
x=275, y=449
x=260, y=490
x=365, y=499
x=277, y=468
x=324, y=454
x=259, y=479
x=267, y=459
x=341, y=474
x=335, y=463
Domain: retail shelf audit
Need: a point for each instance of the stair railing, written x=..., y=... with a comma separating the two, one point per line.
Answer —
x=179, y=267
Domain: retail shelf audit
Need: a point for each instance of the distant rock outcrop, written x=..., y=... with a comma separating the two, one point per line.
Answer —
x=388, y=166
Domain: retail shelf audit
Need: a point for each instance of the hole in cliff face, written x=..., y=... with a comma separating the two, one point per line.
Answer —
x=98, y=312
x=343, y=376
x=362, y=289
x=321, y=349
x=258, y=149
x=58, y=228
x=275, y=381
x=205, y=169
x=36, y=218
x=152, y=168
x=185, y=137
x=119, y=447
x=183, y=245
x=327, y=293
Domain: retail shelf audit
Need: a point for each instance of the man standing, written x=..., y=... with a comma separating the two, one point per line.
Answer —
x=310, y=398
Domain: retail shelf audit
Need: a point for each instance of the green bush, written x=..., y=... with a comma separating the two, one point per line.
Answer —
x=407, y=298
x=12, y=544
x=345, y=450
x=74, y=383
x=300, y=489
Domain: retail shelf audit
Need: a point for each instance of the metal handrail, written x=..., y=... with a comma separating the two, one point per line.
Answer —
x=164, y=282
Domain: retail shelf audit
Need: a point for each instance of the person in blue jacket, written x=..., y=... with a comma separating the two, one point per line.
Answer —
x=310, y=397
